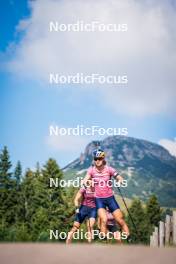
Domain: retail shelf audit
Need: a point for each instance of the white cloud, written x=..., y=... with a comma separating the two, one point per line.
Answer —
x=170, y=145
x=146, y=52
x=67, y=143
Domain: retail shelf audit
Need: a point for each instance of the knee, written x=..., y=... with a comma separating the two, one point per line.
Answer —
x=120, y=215
x=121, y=221
x=75, y=228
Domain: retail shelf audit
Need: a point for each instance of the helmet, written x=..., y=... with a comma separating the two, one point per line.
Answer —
x=98, y=153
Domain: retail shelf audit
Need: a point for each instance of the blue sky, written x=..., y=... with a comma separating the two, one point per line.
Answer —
x=29, y=104
x=11, y=12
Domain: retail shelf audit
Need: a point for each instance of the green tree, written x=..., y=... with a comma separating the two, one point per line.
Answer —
x=29, y=204
x=153, y=211
x=17, y=192
x=38, y=170
x=48, y=203
x=29, y=207
x=6, y=187
x=53, y=196
x=18, y=174
x=139, y=218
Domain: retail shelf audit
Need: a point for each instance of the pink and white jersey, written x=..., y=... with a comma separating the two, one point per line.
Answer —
x=88, y=197
x=102, y=181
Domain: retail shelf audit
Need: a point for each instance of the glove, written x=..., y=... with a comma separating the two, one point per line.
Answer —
x=77, y=210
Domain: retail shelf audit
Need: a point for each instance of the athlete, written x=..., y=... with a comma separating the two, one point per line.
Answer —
x=87, y=210
x=101, y=175
x=112, y=226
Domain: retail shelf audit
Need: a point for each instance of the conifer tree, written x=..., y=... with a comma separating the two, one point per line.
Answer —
x=153, y=210
x=54, y=196
x=139, y=217
x=18, y=174
x=6, y=185
x=17, y=192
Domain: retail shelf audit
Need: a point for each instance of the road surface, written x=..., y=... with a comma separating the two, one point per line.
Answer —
x=21, y=253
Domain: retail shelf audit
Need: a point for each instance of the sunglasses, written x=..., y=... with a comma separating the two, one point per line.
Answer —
x=98, y=159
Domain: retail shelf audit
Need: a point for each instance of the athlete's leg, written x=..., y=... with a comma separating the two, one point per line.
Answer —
x=79, y=218
x=118, y=216
x=101, y=206
x=76, y=226
x=117, y=237
x=103, y=220
x=116, y=233
x=90, y=224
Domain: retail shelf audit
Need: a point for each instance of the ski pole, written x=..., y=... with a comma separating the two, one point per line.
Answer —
x=134, y=225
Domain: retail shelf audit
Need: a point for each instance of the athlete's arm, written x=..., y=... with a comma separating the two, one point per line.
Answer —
x=115, y=174
x=78, y=199
x=86, y=179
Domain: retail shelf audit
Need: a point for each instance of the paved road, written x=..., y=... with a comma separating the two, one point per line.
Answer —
x=84, y=254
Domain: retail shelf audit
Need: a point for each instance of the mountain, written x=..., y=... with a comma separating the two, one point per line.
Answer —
x=148, y=167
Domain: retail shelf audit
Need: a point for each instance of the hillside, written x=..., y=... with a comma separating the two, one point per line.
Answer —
x=148, y=167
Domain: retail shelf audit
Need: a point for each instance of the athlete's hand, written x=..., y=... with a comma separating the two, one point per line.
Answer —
x=119, y=178
x=76, y=210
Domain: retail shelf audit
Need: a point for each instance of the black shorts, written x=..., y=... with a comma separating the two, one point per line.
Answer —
x=85, y=212
x=109, y=202
x=113, y=228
